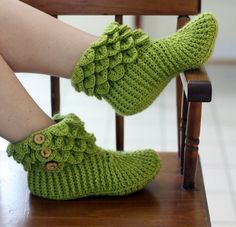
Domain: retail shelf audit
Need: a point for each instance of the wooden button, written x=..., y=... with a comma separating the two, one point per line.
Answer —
x=39, y=138
x=51, y=166
x=46, y=152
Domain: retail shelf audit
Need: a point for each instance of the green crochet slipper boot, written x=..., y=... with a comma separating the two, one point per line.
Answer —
x=63, y=162
x=129, y=70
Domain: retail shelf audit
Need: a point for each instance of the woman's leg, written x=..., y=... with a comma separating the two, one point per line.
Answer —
x=20, y=115
x=32, y=41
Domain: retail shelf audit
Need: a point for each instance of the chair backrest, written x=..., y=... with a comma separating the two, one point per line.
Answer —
x=117, y=7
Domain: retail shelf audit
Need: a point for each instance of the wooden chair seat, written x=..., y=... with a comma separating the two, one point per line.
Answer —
x=162, y=203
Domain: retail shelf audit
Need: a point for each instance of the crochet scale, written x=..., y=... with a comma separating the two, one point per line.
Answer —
x=129, y=70
x=63, y=162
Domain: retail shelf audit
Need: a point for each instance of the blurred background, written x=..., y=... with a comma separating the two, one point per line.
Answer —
x=156, y=126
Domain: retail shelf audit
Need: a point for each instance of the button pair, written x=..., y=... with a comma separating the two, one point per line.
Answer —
x=39, y=139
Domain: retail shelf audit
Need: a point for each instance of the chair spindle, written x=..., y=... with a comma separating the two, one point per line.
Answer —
x=119, y=119
x=55, y=92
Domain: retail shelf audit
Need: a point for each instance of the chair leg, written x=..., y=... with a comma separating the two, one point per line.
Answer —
x=191, y=143
x=179, y=90
x=182, y=128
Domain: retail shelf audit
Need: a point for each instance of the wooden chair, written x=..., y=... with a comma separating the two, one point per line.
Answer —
x=175, y=198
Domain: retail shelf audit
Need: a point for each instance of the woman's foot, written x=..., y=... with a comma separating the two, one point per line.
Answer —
x=63, y=162
x=129, y=70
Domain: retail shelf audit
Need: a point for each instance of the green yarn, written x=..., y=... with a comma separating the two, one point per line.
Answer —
x=129, y=70
x=63, y=162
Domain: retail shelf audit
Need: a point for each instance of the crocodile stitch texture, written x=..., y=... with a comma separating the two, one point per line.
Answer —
x=129, y=70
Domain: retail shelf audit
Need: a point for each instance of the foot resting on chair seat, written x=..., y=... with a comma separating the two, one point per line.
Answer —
x=63, y=162
x=129, y=70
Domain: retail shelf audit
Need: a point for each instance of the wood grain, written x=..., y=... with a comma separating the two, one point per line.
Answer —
x=162, y=203
x=191, y=144
x=197, y=85
x=117, y=7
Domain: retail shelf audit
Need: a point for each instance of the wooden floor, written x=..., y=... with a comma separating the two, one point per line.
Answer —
x=162, y=203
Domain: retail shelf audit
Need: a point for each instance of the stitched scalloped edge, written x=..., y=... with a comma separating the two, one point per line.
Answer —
x=103, y=63
x=67, y=139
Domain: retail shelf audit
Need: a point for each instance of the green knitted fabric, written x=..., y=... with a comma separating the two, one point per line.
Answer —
x=63, y=162
x=129, y=70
